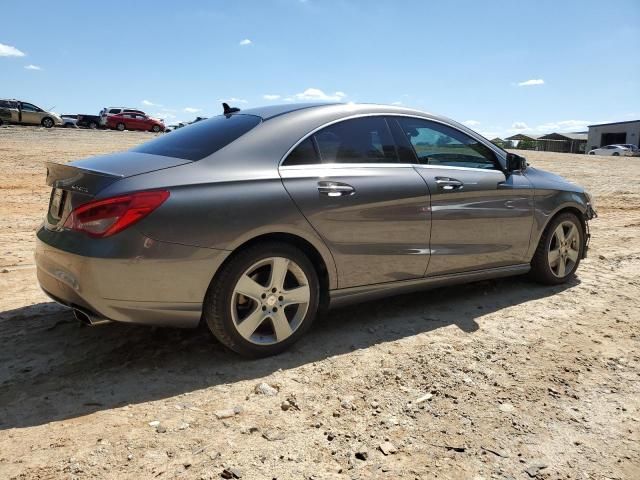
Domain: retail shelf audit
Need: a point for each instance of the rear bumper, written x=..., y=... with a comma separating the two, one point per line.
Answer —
x=157, y=283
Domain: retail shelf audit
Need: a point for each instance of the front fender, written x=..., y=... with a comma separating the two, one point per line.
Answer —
x=548, y=203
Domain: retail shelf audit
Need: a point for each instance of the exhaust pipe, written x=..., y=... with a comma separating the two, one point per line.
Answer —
x=88, y=318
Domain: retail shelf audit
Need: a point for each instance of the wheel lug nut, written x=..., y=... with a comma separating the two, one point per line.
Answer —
x=264, y=295
x=274, y=290
x=275, y=309
x=264, y=308
x=280, y=298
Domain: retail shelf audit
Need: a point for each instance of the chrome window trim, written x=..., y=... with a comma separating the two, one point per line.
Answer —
x=451, y=167
x=338, y=166
x=464, y=130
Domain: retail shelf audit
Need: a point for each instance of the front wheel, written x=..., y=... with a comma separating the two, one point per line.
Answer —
x=559, y=251
x=616, y=154
x=592, y=153
x=156, y=128
x=263, y=300
x=120, y=127
x=93, y=125
x=47, y=122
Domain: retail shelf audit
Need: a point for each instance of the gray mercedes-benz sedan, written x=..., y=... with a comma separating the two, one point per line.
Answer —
x=256, y=220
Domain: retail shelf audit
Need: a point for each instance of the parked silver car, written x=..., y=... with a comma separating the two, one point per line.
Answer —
x=254, y=221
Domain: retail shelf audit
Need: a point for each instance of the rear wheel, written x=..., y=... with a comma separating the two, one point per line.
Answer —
x=263, y=300
x=47, y=122
x=120, y=127
x=559, y=251
x=616, y=154
x=592, y=153
x=93, y=125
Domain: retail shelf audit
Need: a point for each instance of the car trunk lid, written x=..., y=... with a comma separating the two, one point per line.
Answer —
x=78, y=182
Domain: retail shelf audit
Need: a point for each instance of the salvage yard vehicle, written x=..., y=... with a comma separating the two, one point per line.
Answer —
x=254, y=221
x=134, y=121
x=69, y=121
x=23, y=113
x=107, y=111
x=88, y=121
x=613, y=150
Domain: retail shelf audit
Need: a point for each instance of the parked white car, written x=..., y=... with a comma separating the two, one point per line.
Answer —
x=613, y=150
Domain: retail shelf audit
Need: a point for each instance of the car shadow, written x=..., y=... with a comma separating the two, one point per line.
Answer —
x=52, y=369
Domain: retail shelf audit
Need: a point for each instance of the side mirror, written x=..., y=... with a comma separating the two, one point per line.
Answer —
x=516, y=163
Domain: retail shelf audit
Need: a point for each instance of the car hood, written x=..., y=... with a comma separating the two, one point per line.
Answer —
x=542, y=179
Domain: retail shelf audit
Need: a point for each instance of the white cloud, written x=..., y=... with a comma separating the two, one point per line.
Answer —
x=192, y=110
x=150, y=104
x=164, y=115
x=245, y=42
x=533, y=81
x=271, y=97
x=9, y=51
x=471, y=123
x=233, y=100
x=519, y=126
x=32, y=67
x=565, y=126
x=316, y=94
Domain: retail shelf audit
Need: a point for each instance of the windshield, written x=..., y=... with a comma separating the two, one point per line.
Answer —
x=199, y=140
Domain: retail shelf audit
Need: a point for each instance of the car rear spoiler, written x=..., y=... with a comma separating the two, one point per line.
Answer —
x=67, y=177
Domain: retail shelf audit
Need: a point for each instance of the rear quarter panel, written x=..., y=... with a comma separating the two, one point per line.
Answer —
x=221, y=207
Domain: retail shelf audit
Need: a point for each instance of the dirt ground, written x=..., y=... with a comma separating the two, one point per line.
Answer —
x=495, y=380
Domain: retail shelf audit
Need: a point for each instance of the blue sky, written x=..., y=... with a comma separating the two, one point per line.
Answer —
x=500, y=66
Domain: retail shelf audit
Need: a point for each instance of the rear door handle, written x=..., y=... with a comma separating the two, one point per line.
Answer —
x=449, y=184
x=335, y=189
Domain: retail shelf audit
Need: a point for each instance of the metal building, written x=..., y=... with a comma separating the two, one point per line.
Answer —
x=563, y=142
x=613, y=133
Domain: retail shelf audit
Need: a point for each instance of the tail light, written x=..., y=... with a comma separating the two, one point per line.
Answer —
x=103, y=218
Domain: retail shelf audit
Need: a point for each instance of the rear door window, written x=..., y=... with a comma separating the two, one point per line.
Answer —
x=199, y=140
x=304, y=154
x=359, y=140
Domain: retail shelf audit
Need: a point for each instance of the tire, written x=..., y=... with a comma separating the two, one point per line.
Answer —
x=47, y=122
x=121, y=127
x=551, y=272
x=592, y=153
x=616, y=154
x=93, y=125
x=155, y=129
x=226, y=310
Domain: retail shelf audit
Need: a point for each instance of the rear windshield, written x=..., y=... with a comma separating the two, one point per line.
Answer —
x=196, y=141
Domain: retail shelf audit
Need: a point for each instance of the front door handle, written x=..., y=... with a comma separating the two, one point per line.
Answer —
x=335, y=189
x=449, y=184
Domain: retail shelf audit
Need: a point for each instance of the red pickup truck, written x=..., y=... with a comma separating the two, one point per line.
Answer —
x=134, y=121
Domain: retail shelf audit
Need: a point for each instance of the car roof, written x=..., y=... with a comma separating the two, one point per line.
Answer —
x=271, y=111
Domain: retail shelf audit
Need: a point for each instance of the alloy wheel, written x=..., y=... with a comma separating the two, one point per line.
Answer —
x=270, y=301
x=564, y=249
